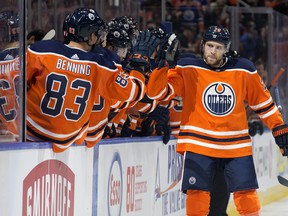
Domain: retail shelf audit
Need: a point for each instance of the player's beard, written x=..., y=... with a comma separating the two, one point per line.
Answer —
x=213, y=61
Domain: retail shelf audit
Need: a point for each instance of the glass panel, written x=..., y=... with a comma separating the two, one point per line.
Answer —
x=10, y=72
x=44, y=15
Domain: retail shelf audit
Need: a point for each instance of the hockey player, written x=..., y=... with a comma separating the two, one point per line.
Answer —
x=147, y=118
x=214, y=128
x=9, y=77
x=65, y=79
x=117, y=43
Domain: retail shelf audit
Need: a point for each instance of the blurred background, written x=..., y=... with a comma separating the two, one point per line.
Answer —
x=259, y=30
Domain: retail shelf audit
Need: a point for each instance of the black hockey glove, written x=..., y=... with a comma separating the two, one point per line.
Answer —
x=147, y=127
x=280, y=134
x=255, y=127
x=162, y=117
x=109, y=131
x=163, y=129
x=126, y=130
x=160, y=114
x=168, y=52
x=145, y=46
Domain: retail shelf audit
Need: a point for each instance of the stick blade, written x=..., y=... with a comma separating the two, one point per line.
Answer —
x=282, y=181
x=49, y=35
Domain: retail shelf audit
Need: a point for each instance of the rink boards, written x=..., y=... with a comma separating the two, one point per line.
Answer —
x=139, y=176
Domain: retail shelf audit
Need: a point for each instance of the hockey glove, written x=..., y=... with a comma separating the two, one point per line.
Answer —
x=160, y=114
x=168, y=52
x=143, y=49
x=163, y=129
x=126, y=130
x=255, y=127
x=147, y=127
x=109, y=132
x=280, y=134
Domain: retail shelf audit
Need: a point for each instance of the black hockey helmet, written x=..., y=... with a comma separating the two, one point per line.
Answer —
x=117, y=35
x=13, y=24
x=9, y=22
x=157, y=32
x=130, y=26
x=13, y=21
x=81, y=23
x=218, y=34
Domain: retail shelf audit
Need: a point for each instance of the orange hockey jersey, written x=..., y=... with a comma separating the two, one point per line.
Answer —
x=9, y=92
x=99, y=118
x=214, y=121
x=63, y=85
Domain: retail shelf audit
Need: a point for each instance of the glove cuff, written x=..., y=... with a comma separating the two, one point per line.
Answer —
x=140, y=58
x=280, y=130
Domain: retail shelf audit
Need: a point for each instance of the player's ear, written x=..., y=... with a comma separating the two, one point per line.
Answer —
x=92, y=38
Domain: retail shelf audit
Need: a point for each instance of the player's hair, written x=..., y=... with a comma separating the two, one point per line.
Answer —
x=81, y=23
x=37, y=33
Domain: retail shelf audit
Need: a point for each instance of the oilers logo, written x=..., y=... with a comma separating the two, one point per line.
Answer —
x=219, y=99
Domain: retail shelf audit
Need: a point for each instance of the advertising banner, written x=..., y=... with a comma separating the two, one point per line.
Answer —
x=139, y=178
x=40, y=182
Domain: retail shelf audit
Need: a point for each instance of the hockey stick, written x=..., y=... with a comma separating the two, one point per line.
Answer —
x=273, y=83
x=277, y=98
x=50, y=34
x=276, y=78
x=283, y=181
x=277, y=95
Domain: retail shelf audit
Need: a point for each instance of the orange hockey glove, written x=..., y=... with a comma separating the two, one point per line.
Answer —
x=280, y=134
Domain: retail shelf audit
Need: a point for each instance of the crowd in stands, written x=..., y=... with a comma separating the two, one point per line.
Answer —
x=190, y=17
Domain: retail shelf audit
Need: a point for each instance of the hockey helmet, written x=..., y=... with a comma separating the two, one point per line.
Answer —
x=130, y=25
x=117, y=35
x=81, y=23
x=14, y=30
x=157, y=32
x=9, y=20
x=218, y=34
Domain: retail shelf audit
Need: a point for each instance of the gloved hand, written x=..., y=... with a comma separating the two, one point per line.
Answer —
x=147, y=127
x=168, y=52
x=126, y=131
x=163, y=129
x=254, y=127
x=109, y=131
x=162, y=117
x=146, y=44
x=280, y=134
x=160, y=113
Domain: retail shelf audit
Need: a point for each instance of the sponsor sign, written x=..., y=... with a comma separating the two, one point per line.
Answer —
x=139, y=178
x=49, y=189
x=36, y=181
